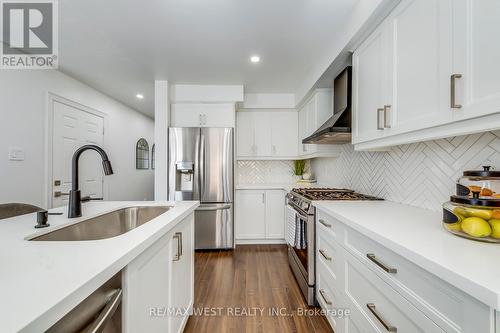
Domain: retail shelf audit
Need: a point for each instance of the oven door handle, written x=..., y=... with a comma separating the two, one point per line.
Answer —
x=299, y=214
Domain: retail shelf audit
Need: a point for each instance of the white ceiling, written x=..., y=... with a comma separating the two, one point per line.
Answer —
x=121, y=46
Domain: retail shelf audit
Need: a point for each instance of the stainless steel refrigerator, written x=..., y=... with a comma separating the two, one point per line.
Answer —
x=200, y=167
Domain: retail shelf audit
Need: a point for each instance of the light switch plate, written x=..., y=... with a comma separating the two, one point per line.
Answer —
x=16, y=154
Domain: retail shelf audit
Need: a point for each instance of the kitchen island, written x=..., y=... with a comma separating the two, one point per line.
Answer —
x=41, y=281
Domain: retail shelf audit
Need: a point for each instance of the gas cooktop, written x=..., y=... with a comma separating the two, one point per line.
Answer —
x=331, y=194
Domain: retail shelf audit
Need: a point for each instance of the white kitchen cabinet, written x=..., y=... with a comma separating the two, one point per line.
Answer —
x=250, y=214
x=419, y=65
x=262, y=133
x=303, y=148
x=182, y=274
x=260, y=216
x=266, y=134
x=369, y=86
x=158, y=280
x=245, y=134
x=476, y=54
x=429, y=66
x=354, y=270
x=317, y=109
x=275, y=214
x=284, y=127
x=202, y=115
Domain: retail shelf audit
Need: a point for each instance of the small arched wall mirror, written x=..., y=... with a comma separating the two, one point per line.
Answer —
x=153, y=156
x=142, y=154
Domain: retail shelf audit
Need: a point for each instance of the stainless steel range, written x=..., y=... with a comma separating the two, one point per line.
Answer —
x=301, y=232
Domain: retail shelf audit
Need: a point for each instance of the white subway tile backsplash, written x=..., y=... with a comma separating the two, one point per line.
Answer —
x=421, y=174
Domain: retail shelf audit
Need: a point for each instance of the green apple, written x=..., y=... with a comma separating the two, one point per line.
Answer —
x=495, y=226
x=476, y=227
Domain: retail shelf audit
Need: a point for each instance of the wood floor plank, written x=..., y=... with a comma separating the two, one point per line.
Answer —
x=251, y=277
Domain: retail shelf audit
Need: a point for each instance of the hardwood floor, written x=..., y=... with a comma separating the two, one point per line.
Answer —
x=252, y=278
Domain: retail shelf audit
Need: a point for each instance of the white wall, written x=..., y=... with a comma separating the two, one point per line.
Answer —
x=23, y=121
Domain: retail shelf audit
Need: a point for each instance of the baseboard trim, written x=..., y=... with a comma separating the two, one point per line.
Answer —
x=259, y=241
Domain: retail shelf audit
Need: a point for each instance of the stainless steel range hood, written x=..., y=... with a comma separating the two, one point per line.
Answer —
x=337, y=129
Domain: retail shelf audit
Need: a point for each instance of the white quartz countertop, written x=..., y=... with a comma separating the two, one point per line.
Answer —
x=40, y=281
x=417, y=235
x=286, y=187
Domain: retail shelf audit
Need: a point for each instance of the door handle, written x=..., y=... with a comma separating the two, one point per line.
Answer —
x=387, y=123
x=453, y=79
x=57, y=194
x=263, y=197
x=380, y=123
x=377, y=262
x=201, y=119
x=387, y=326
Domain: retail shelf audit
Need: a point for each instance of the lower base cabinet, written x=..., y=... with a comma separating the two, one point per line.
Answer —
x=385, y=292
x=158, y=286
x=260, y=216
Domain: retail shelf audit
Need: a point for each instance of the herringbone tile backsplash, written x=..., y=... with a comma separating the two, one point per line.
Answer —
x=421, y=174
x=264, y=172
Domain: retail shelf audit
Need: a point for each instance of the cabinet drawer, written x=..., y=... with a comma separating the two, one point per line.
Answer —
x=327, y=253
x=377, y=300
x=326, y=223
x=328, y=296
x=438, y=300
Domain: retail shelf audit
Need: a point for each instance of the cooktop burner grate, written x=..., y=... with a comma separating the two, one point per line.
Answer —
x=332, y=194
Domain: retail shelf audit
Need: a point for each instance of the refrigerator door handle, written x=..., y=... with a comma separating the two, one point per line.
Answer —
x=213, y=207
x=201, y=166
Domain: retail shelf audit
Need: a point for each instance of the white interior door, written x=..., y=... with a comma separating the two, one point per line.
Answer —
x=73, y=128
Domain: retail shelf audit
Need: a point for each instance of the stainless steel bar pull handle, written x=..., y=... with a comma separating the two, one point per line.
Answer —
x=181, y=247
x=387, y=326
x=326, y=256
x=177, y=236
x=380, y=120
x=323, y=295
x=328, y=225
x=106, y=314
x=387, y=122
x=372, y=257
x=453, y=79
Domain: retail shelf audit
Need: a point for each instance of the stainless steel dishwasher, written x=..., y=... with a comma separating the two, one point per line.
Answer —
x=99, y=312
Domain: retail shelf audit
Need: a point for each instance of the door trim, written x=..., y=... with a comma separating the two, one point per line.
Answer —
x=49, y=129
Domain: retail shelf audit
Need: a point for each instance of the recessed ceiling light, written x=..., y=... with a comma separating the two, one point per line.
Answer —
x=255, y=59
x=139, y=96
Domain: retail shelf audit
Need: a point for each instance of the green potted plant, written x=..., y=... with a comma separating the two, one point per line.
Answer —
x=299, y=166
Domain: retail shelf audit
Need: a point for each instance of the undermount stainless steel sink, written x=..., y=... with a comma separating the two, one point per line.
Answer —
x=105, y=226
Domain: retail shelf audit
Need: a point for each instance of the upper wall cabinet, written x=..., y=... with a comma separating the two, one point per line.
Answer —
x=429, y=65
x=476, y=54
x=202, y=115
x=266, y=134
x=312, y=114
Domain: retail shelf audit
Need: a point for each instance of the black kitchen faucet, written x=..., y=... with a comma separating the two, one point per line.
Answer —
x=75, y=198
